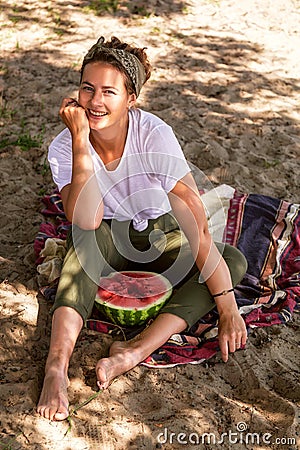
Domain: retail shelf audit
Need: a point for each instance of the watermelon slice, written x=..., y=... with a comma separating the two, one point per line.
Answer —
x=130, y=298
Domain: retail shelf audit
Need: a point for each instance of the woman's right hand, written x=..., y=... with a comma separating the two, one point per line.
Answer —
x=74, y=117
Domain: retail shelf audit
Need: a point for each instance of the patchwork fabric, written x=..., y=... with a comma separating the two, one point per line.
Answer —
x=265, y=229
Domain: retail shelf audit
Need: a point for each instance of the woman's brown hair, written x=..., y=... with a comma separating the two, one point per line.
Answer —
x=99, y=53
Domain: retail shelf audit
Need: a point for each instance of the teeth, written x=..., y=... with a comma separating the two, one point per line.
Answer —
x=99, y=114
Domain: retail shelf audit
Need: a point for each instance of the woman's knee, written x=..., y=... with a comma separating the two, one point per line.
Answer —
x=92, y=242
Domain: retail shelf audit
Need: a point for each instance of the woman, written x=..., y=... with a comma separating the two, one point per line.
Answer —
x=126, y=187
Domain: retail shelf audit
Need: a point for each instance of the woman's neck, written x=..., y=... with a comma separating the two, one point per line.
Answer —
x=109, y=147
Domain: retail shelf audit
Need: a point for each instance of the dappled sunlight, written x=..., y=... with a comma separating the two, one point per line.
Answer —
x=27, y=312
x=234, y=105
x=225, y=77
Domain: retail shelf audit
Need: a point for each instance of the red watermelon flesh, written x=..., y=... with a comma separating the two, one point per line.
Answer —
x=132, y=289
x=130, y=298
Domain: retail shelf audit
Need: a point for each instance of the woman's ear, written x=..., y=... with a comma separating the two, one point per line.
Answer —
x=131, y=100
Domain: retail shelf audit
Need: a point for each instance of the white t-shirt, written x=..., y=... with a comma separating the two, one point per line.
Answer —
x=151, y=165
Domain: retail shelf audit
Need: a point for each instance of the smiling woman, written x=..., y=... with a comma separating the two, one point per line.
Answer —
x=134, y=205
x=105, y=99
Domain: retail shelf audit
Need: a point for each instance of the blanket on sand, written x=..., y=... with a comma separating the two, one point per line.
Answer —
x=265, y=229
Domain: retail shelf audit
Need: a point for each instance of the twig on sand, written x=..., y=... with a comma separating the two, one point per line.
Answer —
x=76, y=408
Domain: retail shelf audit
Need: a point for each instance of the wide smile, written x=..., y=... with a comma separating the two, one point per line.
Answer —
x=97, y=114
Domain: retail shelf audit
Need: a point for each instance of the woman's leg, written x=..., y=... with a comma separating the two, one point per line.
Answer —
x=66, y=326
x=193, y=299
x=123, y=356
x=191, y=302
x=74, y=301
x=90, y=253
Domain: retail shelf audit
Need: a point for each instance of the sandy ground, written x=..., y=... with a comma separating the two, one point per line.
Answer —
x=226, y=79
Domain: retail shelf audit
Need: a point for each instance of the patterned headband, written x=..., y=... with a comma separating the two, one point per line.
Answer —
x=130, y=63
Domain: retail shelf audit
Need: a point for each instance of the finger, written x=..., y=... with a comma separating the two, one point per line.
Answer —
x=65, y=101
x=63, y=105
x=72, y=102
x=244, y=338
x=238, y=341
x=67, y=105
x=237, y=345
x=233, y=341
x=69, y=101
x=224, y=349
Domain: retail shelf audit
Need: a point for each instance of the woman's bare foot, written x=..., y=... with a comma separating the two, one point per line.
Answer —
x=53, y=403
x=122, y=357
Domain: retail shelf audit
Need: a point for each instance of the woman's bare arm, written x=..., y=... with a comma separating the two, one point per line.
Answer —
x=190, y=214
x=81, y=198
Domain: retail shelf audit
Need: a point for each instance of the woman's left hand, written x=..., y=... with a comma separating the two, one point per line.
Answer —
x=232, y=332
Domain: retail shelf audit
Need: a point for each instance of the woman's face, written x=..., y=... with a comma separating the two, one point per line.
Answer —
x=104, y=96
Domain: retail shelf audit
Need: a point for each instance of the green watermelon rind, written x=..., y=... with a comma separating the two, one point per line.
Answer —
x=134, y=316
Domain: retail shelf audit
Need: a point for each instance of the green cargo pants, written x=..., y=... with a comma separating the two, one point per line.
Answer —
x=160, y=248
